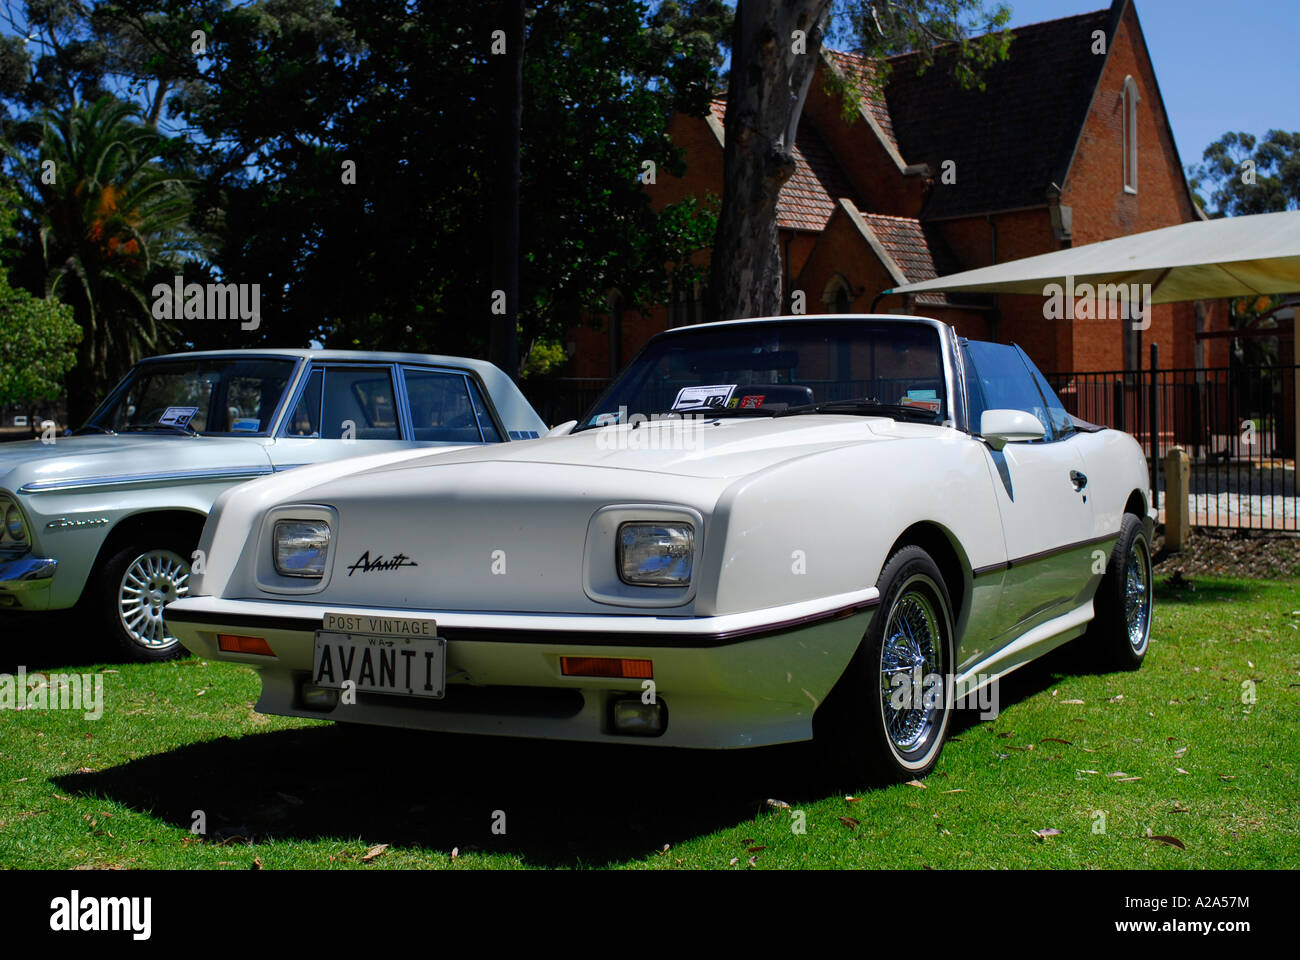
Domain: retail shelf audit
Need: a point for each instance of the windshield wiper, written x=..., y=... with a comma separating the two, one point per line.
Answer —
x=162, y=426
x=867, y=405
x=95, y=426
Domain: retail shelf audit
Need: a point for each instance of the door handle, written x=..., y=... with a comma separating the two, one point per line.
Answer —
x=1078, y=479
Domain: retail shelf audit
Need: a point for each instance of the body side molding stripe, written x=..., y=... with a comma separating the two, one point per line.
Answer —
x=210, y=474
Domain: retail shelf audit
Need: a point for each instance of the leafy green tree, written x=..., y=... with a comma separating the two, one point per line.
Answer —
x=107, y=216
x=1241, y=175
x=39, y=335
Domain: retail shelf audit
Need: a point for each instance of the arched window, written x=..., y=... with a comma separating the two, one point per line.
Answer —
x=838, y=294
x=1129, y=104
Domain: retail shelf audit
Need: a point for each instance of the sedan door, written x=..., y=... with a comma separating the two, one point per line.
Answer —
x=341, y=410
x=1042, y=498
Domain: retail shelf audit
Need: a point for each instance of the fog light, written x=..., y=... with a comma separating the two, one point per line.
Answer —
x=231, y=643
x=318, y=698
x=633, y=718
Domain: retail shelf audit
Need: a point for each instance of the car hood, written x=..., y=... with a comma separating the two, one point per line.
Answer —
x=99, y=456
x=712, y=449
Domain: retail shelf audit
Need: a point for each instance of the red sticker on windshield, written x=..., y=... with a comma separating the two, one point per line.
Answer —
x=752, y=402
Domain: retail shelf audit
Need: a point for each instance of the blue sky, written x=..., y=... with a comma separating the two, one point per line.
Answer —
x=1221, y=65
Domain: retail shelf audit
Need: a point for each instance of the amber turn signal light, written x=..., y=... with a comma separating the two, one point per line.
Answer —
x=231, y=643
x=615, y=667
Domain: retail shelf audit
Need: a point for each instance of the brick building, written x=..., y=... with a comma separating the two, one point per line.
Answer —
x=1068, y=143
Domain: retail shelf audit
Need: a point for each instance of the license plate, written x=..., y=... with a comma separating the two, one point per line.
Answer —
x=394, y=655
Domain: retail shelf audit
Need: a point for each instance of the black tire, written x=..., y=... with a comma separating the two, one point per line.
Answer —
x=144, y=639
x=852, y=728
x=1120, y=633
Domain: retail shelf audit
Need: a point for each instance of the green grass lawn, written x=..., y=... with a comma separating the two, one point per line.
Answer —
x=1171, y=751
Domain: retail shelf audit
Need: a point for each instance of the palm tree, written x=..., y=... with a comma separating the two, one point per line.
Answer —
x=107, y=213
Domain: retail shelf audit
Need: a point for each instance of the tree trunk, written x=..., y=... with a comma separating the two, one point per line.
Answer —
x=503, y=335
x=770, y=74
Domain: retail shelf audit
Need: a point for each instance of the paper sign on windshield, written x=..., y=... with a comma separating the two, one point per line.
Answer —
x=178, y=416
x=715, y=395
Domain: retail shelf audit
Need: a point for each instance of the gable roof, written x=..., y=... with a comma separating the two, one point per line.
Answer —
x=1016, y=137
x=808, y=198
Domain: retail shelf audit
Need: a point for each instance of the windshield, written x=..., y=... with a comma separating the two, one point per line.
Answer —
x=772, y=368
x=211, y=395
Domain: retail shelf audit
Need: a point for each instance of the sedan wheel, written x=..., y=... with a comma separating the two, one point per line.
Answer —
x=152, y=581
x=135, y=585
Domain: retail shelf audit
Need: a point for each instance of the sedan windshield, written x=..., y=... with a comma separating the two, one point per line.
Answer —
x=884, y=368
x=208, y=395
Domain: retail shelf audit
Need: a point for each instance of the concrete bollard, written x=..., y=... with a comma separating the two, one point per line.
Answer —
x=1178, y=519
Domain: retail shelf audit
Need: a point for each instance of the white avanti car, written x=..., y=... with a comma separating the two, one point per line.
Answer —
x=766, y=531
x=109, y=517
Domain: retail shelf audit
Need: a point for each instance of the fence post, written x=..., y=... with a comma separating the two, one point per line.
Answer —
x=1178, y=521
x=1154, y=425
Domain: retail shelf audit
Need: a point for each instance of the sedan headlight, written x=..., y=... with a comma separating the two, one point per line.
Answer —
x=14, y=532
x=301, y=547
x=656, y=554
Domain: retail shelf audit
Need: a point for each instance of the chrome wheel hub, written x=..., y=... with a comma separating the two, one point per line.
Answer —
x=150, y=582
x=912, y=666
x=1137, y=595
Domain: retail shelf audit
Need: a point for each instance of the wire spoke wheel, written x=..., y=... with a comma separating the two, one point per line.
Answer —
x=150, y=582
x=913, y=667
x=1137, y=595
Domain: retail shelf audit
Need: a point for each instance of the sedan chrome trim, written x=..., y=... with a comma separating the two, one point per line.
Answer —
x=26, y=573
x=206, y=475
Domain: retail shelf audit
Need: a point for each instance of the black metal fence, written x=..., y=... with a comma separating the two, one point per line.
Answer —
x=1237, y=424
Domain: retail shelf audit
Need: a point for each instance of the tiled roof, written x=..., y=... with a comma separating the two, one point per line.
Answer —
x=807, y=199
x=863, y=73
x=918, y=251
x=1016, y=137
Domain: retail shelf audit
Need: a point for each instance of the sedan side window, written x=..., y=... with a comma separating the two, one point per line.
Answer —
x=305, y=421
x=359, y=402
x=441, y=410
x=1004, y=382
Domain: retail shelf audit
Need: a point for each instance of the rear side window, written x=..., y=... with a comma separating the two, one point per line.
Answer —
x=997, y=373
x=490, y=432
x=441, y=409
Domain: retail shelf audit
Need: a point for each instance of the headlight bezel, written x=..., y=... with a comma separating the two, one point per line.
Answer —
x=270, y=576
x=650, y=531
x=601, y=567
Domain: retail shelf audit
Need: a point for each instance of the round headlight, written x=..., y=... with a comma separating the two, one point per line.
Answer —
x=14, y=524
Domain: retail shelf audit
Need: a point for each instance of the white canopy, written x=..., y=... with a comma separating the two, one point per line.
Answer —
x=1204, y=260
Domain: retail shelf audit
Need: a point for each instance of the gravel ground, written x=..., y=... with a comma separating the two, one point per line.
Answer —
x=1231, y=553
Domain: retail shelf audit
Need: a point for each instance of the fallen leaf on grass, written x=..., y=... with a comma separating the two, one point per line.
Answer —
x=455, y=852
x=1028, y=746
x=849, y=822
x=755, y=849
x=751, y=861
x=1171, y=841
x=1056, y=740
x=1072, y=701
x=1226, y=778
x=1047, y=832
x=917, y=783
x=1180, y=751
x=257, y=864
x=779, y=804
x=733, y=861
x=374, y=853
x=958, y=790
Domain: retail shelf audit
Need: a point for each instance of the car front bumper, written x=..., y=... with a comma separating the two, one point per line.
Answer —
x=25, y=581
x=740, y=680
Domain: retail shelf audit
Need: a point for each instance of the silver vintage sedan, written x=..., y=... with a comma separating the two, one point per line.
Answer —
x=109, y=517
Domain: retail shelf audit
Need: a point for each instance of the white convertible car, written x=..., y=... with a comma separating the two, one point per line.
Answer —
x=109, y=517
x=766, y=531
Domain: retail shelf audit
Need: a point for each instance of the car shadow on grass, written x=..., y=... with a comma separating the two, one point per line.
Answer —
x=564, y=804
x=62, y=639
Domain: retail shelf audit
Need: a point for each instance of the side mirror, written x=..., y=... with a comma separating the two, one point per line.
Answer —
x=563, y=429
x=1000, y=427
